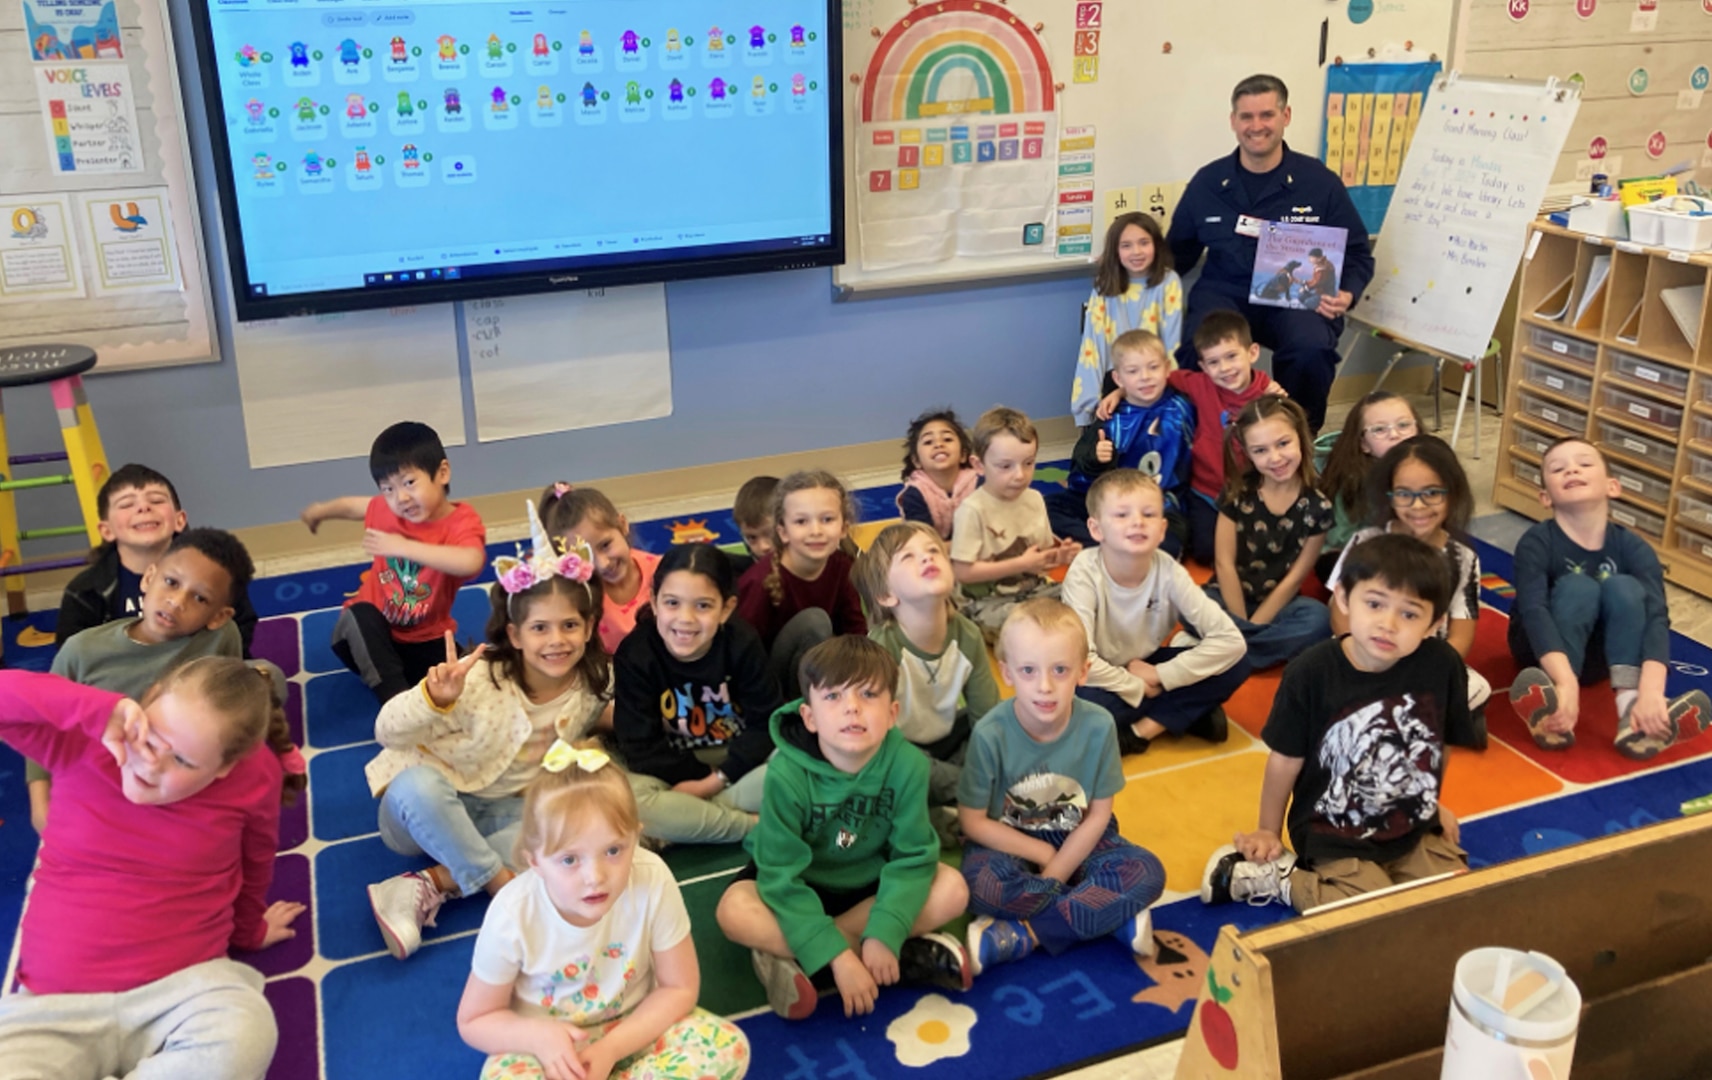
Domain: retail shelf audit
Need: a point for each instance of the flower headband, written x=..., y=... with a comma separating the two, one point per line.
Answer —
x=519, y=572
x=562, y=754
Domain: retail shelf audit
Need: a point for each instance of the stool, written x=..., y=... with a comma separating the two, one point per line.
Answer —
x=62, y=368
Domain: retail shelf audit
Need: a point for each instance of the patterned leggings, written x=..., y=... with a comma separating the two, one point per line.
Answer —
x=701, y=1046
x=1117, y=880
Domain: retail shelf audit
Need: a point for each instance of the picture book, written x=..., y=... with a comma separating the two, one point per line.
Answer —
x=1295, y=265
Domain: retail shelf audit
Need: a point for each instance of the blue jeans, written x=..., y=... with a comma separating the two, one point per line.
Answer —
x=423, y=814
x=1301, y=623
x=1116, y=880
x=1175, y=709
x=1602, y=624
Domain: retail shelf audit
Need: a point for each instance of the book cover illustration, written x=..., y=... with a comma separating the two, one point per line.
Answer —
x=1295, y=265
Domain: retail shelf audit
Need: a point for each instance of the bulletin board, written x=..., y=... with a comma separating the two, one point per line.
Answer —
x=1130, y=99
x=100, y=238
x=1645, y=67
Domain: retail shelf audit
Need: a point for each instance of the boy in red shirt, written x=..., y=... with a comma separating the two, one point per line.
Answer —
x=425, y=547
x=1226, y=382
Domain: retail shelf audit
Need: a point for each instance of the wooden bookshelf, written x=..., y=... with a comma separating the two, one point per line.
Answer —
x=1622, y=375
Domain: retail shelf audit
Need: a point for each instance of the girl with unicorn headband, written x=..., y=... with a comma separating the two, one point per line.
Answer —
x=457, y=754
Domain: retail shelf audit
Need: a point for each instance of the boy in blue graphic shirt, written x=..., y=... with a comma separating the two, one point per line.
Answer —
x=1151, y=429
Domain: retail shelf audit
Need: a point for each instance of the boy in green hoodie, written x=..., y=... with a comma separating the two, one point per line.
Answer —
x=845, y=870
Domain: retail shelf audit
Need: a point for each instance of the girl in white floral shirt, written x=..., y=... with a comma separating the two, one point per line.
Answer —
x=584, y=968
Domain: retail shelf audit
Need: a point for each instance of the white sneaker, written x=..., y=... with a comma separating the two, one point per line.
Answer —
x=1229, y=876
x=403, y=905
x=1137, y=933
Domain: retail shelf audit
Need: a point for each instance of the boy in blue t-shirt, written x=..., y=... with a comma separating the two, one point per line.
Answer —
x=1151, y=429
x=1590, y=599
x=1042, y=855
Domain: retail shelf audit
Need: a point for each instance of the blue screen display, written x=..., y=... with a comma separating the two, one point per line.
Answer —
x=463, y=146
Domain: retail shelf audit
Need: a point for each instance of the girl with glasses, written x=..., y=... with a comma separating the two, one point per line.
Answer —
x=1418, y=488
x=1378, y=422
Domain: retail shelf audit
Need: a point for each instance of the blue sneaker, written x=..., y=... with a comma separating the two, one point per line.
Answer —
x=997, y=941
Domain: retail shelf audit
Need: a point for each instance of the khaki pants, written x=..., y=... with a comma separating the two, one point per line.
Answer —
x=1338, y=879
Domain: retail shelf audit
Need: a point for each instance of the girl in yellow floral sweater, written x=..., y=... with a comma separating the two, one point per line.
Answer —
x=1135, y=288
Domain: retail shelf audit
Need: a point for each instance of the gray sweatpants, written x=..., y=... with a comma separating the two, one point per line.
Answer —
x=207, y=1022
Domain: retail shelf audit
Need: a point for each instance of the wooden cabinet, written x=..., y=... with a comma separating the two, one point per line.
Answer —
x=1601, y=353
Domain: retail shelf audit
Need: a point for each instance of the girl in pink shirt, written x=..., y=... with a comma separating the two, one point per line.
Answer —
x=156, y=861
x=625, y=573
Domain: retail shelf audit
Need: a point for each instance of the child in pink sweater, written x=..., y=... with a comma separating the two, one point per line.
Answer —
x=156, y=861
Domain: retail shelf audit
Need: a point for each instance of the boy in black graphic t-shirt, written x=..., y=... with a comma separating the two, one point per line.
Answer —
x=1357, y=734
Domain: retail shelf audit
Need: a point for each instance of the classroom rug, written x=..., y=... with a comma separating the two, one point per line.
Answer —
x=348, y=1010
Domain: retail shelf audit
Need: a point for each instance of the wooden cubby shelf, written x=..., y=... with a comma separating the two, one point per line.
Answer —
x=1626, y=363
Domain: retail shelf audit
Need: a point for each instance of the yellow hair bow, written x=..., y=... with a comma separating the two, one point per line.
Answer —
x=561, y=755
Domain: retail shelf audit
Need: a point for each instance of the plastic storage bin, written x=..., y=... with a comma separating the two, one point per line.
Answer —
x=1557, y=380
x=1694, y=543
x=1642, y=521
x=1556, y=344
x=1633, y=443
x=1700, y=465
x=1693, y=510
x=1642, y=484
x=1666, y=418
x=1526, y=473
x=1652, y=372
x=1572, y=421
x=1532, y=441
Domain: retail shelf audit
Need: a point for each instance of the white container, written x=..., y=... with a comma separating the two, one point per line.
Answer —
x=1598, y=217
x=1484, y=1042
x=1646, y=223
x=1688, y=225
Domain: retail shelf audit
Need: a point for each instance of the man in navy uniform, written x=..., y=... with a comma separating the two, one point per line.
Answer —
x=1222, y=212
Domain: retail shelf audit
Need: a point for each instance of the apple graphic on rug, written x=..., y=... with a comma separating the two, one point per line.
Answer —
x=1218, y=1031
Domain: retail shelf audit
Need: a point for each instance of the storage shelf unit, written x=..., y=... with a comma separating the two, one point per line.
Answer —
x=1619, y=371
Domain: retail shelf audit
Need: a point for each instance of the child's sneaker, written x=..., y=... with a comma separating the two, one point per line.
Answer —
x=1534, y=698
x=1137, y=933
x=936, y=959
x=1690, y=714
x=1129, y=742
x=789, y=992
x=1229, y=877
x=1213, y=726
x=997, y=941
x=403, y=905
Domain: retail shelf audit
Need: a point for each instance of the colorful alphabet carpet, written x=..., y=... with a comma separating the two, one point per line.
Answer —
x=347, y=1010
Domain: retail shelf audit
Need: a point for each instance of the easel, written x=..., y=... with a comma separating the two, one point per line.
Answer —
x=1470, y=374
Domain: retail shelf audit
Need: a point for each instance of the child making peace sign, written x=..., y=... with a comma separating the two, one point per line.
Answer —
x=457, y=754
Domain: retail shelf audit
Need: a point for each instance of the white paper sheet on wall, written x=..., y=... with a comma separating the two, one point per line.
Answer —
x=568, y=360
x=321, y=388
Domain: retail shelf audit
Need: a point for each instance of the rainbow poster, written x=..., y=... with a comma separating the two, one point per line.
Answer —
x=956, y=138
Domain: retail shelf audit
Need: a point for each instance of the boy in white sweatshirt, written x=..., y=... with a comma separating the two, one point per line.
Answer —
x=1131, y=596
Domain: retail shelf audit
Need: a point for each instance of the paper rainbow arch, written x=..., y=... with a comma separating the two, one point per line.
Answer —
x=995, y=50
